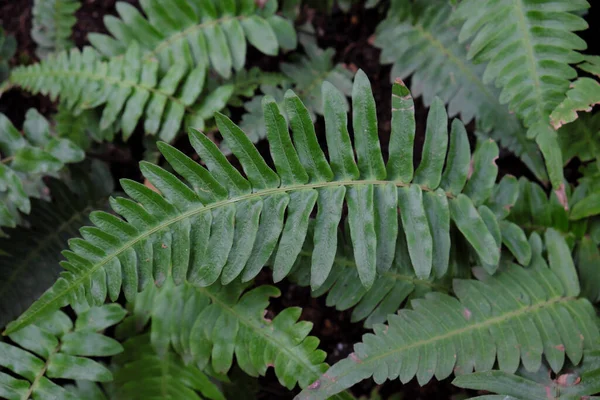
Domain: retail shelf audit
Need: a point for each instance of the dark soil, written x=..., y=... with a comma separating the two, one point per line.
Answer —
x=350, y=35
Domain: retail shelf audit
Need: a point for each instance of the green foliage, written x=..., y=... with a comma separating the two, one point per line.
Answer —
x=220, y=322
x=305, y=76
x=223, y=225
x=139, y=373
x=33, y=250
x=575, y=383
x=517, y=315
x=129, y=89
x=421, y=43
x=198, y=34
x=52, y=23
x=8, y=47
x=582, y=96
x=528, y=55
x=25, y=159
x=581, y=139
x=57, y=348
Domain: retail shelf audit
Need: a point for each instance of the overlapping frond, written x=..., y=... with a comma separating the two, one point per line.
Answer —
x=57, y=348
x=128, y=88
x=581, y=139
x=528, y=46
x=305, y=76
x=579, y=382
x=139, y=373
x=25, y=160
x=515, y=316
x=422, y=42
x=224, y=225
x=198, y=34
x=217, y=323
x=52, y=25
x=535, y=211
x=395, y=286
x=30, y=257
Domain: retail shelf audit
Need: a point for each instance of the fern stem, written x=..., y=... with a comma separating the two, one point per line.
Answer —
x=42, y=372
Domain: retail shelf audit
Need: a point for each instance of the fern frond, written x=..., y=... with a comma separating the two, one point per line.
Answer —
x=29, y=258
x=8, y=47
x=139, y=373
x=421, y=42
x=129, y=90
x=535, y=211
x=219, y=322
x=393, y=287
x=516, y=316
x=225, y=225
x=583, y=95
x=52, y=25
x=305, y=77
x=574, y=383
x=199, y=35
x=25, y=160
x=58, y=348
x=581, y=139
x=81, y=126
x=528, y=46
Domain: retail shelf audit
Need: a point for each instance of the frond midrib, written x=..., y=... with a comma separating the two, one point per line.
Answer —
x=121, y=83
x=480, y=325
x=80, y=279
x=191, y=29
x=468, y=72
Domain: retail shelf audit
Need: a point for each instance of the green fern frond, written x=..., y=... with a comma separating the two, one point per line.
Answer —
x=25, y=160
x=574, y=383
x=129, y=90
x=393, y=287
x=581, y=139
x=139, y=373
x=29, y=258
x=422, y=42
x=528, y=46
x=52, y=25
x=8, y=47
x=219, y=322
x=198, y=34
x=583, y=95
x=225, y=225
x=516, y=316
x=57, y=348
x=305, y=77
x=82, y=127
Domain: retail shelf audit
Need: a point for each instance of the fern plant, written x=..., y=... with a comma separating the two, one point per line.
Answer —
x=420, y=40
x=56, y=347
x=223, y=225
x=52, y=25
x=516, y=316
x=128, y=89
x=576, y=383
x=25, y=159
x=199, y=34
x=528, y=56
